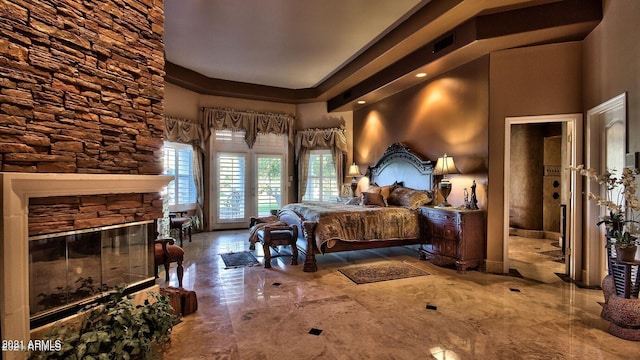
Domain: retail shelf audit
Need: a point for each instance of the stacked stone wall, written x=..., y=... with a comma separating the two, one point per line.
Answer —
x=81, y=86
x=65, y=213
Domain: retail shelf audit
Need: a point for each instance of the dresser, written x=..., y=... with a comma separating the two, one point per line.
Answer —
x=453, y=236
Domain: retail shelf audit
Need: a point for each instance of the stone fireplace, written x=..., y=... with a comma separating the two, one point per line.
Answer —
x=81, y=116
x=17, y=189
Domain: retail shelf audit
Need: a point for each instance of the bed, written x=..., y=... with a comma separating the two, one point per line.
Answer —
x=334, y=226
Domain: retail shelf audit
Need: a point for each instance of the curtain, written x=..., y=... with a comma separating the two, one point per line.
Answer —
x=188, y=132
x=334, y=139
x=252, y=123
x=198, y=179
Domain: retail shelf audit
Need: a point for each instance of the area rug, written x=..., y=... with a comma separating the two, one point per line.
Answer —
x=556, y=255
x=371, y=273
x=239, y=259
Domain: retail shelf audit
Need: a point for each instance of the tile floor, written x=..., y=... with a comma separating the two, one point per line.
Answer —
x=526, y=256
x=257, y=313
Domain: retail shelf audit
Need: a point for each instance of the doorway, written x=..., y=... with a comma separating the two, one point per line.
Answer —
x=542, y=220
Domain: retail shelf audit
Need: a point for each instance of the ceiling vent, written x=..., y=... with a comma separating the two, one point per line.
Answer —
x=443, y=43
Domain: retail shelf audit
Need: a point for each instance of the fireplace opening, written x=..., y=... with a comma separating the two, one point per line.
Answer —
x=72, y=270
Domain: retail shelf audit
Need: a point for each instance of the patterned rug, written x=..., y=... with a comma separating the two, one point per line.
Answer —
x=239, y=259
x=364, y=274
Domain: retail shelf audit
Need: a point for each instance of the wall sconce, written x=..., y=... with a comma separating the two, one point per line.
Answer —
x=354, y=171
x=445, y=166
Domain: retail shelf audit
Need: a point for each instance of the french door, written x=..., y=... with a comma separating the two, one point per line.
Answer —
x=247, y=182
x=605, y=149
x=232, y=187
x=268, y=185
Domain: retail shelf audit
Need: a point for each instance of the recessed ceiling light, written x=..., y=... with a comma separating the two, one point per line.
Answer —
x=361, y=102
x=420, y=75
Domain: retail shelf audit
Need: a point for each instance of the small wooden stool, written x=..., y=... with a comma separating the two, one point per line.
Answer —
x=274, y=235
x=183, y=224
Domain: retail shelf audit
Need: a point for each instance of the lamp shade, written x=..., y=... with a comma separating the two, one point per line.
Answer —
x=354, y=170
x=445, y=165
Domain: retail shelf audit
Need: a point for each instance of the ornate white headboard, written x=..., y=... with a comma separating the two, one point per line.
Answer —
x=400, y=164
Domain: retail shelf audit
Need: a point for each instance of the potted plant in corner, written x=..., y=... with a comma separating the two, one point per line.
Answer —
x=620, y=201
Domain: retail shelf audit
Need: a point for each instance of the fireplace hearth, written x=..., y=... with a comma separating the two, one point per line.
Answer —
x=74, y=269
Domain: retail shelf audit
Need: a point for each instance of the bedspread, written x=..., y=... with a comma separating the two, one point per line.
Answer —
x=339, y=221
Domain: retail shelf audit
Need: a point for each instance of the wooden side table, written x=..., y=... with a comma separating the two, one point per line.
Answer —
x=456, y=236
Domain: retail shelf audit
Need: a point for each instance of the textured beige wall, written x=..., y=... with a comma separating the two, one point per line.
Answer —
x=448, y=114
x=181, y=103
x=525, y=210
x=612, y=62
x=536, y=80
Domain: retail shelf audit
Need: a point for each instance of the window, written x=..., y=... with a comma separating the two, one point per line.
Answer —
x=322, y=184
x=178, y=161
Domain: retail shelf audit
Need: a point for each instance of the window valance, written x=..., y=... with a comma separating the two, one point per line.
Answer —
x=183, y=131
x=252, y=123
x=330, y=138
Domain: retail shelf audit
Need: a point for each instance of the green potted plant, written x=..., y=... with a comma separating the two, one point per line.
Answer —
x=620, y=201
x=116, y=330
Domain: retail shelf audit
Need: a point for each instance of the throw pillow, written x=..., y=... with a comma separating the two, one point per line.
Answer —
x=372, y=199
x=408, y=197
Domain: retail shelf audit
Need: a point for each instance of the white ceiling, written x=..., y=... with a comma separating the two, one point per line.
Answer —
x=344, y=51
x=291, y=44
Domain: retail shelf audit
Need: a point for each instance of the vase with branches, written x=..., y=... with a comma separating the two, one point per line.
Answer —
x=620, y=202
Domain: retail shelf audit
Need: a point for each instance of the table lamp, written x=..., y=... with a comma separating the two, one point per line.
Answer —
x=444, y=166
x=354, y=171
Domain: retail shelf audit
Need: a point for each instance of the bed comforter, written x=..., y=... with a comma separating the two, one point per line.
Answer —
x=339, y=221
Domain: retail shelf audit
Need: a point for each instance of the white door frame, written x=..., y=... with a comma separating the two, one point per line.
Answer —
x=574, y=136
x=594, y=239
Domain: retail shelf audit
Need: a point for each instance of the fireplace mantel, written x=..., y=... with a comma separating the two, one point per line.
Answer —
x=17, y=188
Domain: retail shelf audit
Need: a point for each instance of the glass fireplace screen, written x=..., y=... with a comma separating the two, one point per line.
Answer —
x=74, y=267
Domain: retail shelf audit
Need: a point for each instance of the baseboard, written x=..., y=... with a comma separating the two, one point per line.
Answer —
x=535, y=234
x=494, y=267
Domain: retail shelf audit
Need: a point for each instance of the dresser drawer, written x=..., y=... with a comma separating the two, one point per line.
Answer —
x=445, y=247
x=443, y=230
x=439, y=216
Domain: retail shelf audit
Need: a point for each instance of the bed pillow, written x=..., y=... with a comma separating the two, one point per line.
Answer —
x=386, y=190
x=374, y=189
x=373, y=199
x=409, y=197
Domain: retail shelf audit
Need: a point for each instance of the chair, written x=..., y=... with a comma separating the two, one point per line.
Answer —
x=183, y=225
x=165, y=252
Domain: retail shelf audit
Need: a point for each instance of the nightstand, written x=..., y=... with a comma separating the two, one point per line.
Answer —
x=453, y=236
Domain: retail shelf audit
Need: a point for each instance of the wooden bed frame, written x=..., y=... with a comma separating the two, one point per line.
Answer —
x=397, y=164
